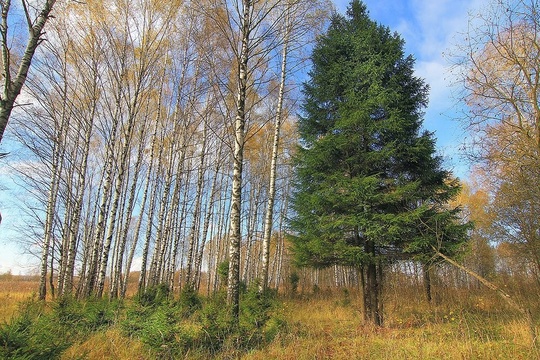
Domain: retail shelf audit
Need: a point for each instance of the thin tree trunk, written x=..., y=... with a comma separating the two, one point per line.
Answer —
x=206, y=225
x=269, y=215
x=427, y=281
x=58, y=153
x=143, y=276
x=251, y=228
x=78, y=205
x=281, y=241
x=51, y=205
x=238, y=162
x=12, y=86
x=97, y=244
x=197, y=216
x=153, y=276
x=181, y=228
x=222, y=237
x=116, y=282
x=113, y=215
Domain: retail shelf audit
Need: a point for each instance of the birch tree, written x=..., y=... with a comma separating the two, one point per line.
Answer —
x=237, y=22
x=58, y=129
x=245, y=23
x=299, y=29
x=15, y=65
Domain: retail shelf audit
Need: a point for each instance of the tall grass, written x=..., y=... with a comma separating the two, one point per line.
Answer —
x=321, y=324
x=13, y=290
x=154, y=323
x=469, y=326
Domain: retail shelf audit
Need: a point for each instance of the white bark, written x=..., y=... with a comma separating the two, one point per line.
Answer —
x=13, y=83
x=194, y=232
x=269, y=215
x=235, y=234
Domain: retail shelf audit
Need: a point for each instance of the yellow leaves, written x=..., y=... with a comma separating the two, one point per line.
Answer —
x=475, y=201
x=164, y=7
x=503, y=86
x=259, y=141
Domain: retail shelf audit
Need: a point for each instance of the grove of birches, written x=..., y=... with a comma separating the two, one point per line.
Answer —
x=215, y=145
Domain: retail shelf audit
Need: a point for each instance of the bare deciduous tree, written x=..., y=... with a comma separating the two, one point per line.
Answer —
x=15, y=66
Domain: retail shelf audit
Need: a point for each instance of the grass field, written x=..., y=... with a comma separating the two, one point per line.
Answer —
x=326, y=329
x=329, y=325
x=13, y=290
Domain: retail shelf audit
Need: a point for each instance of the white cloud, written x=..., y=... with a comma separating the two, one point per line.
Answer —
x=434, y=73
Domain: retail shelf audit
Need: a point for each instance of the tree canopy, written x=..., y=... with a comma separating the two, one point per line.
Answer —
x=369, y=185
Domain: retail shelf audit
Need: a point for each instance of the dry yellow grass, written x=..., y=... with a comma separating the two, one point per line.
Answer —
x=325, y=329
x=13, y=290
x=329, y=326
x=107, y=345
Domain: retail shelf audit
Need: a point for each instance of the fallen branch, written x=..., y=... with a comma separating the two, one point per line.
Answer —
x=525, y=311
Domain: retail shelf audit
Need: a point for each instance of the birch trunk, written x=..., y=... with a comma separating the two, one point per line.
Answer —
x=97, y=244
x=78, y=205
x=153, y=276
x=269, y=215
x=180, y=230
x=58, y=152
x=124, y=159
x=143, y=276
x=194, y=233
x=12, y=85
x=238, y=161
x=209, y=212
x=115, y=282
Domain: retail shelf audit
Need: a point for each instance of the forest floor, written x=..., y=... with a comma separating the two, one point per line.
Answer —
x=329, y=325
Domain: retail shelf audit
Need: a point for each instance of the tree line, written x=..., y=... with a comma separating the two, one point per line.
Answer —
x=139, y=111
x=165, y=137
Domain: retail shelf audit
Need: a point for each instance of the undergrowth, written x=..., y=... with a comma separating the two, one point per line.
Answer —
x=168, y=328
x=44, y=331
x=204, y=326
x=315, y=325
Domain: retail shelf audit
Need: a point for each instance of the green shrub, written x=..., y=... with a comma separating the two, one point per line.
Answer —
x=345, y=300
x=223, y=272
x=272, y=328
x=33, y=335
x=155, y=295
x=85, y=316
x=41, y=333
x=216, y=321
x=256, y=310
x=15, y=335
x=155, y=325
x=170, y=329
x=189, y=301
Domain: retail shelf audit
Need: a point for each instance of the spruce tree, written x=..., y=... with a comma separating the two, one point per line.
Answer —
x=369, y=187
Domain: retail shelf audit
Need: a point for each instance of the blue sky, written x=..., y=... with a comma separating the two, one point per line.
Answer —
x=429, y=28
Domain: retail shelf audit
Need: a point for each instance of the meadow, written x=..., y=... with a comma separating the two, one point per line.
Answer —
x=320, y=324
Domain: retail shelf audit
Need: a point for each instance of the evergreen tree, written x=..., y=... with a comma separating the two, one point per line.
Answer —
x=369, y=187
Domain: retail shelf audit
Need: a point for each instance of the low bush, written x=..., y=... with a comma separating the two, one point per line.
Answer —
x=168, y=328
x=44, y=332
x=205, y=326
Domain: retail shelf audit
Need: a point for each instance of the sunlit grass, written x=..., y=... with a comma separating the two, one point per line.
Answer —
x=324, y=328
x=110, y=344
x=13, y=290
x=463, y=324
